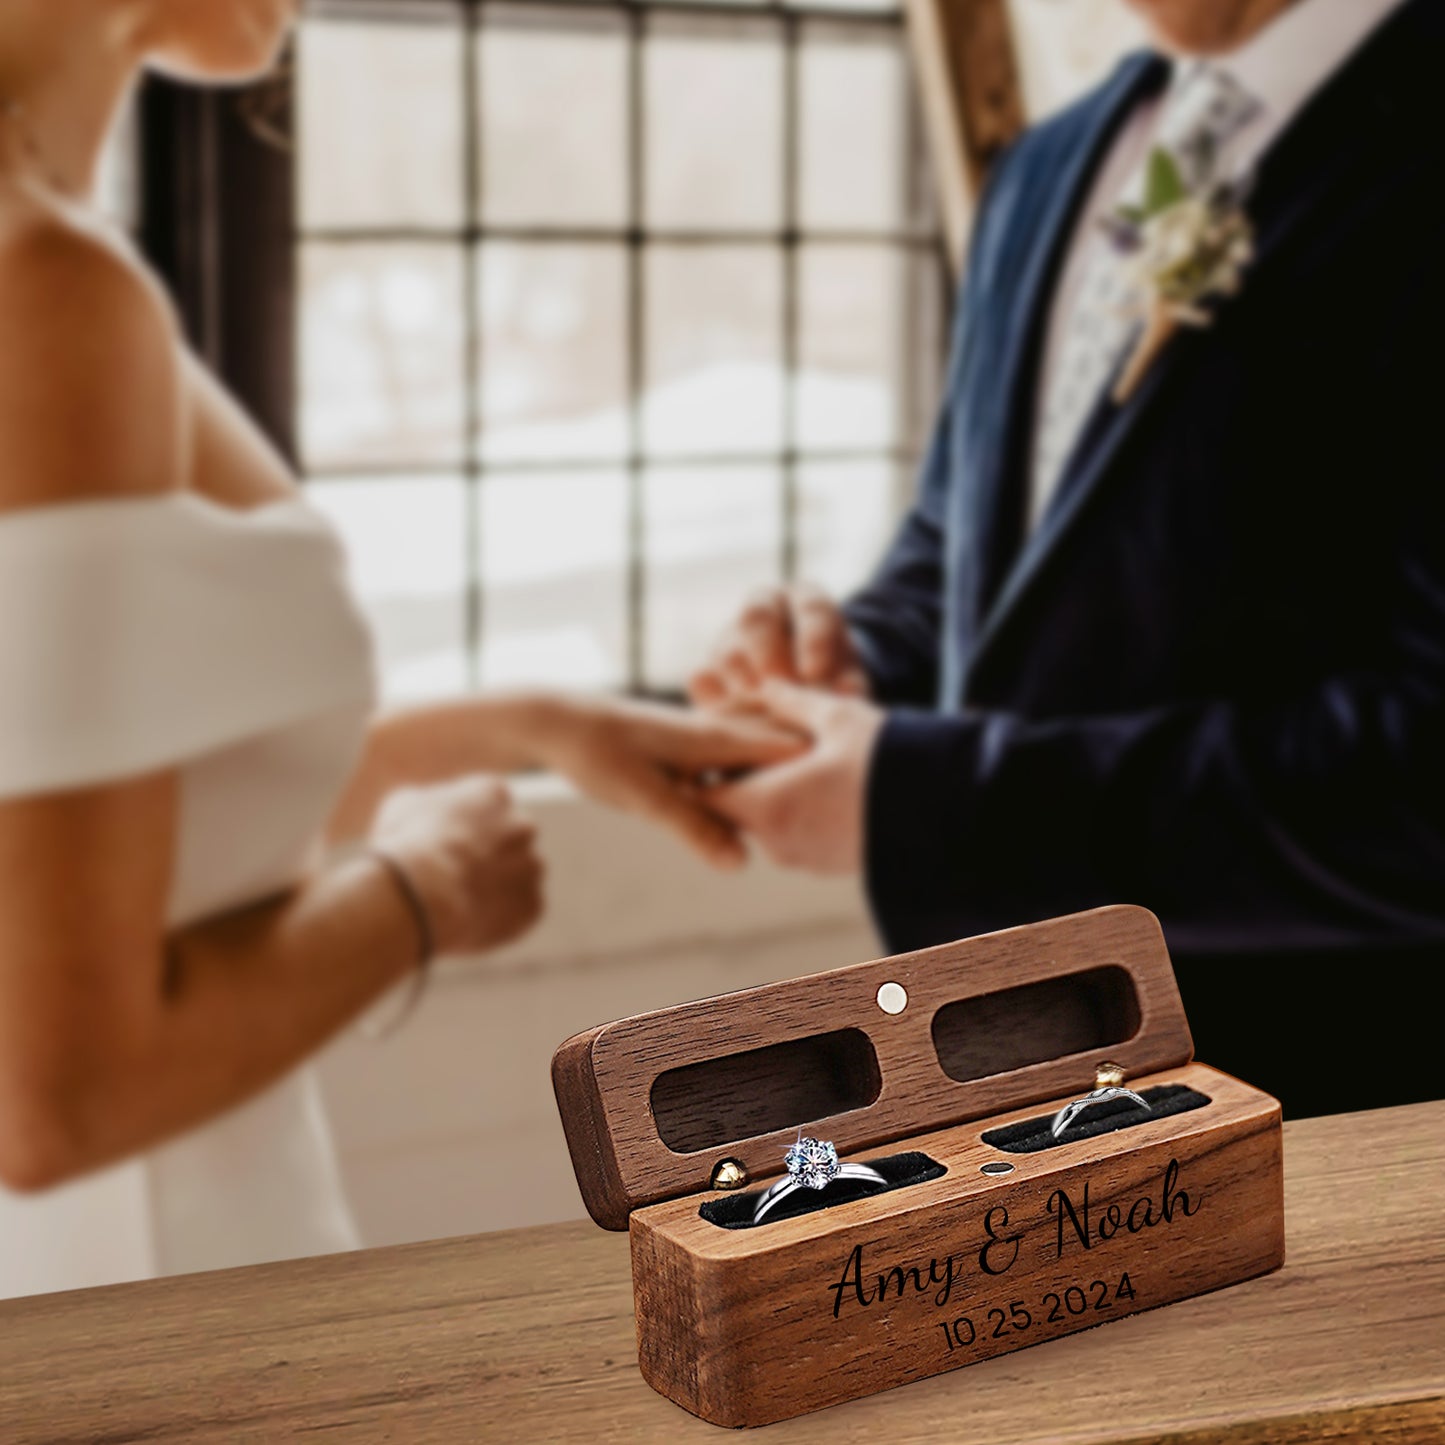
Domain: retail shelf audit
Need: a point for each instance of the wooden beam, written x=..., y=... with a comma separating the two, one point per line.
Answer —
x=968, y=77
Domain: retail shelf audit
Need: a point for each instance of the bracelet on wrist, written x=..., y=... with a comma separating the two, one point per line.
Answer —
x=426, y=937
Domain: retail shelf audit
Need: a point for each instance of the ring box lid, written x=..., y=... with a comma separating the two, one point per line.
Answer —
x=652, y=1104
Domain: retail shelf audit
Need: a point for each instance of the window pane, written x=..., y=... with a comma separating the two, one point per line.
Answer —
x=380, y=124
x=846, y=515
x=921, y=363
x=712, y=535
x=390, y=330
x=407, y=543
x=855, y=170
x=554, y=117
x=554, y=351
x=854, y=345
x=714, y=117
x=381, y=354
x=554, y=568
x=715, y=378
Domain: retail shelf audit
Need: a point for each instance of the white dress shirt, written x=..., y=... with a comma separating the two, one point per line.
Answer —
x=1281, y=67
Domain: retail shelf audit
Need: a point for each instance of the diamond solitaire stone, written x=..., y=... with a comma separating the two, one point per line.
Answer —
x=813, y=1163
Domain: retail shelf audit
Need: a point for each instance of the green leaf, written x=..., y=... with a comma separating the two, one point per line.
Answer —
x=1163, y=186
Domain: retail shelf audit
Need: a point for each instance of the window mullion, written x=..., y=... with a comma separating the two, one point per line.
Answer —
x=636, y=560
x=472, y=441
x=788, y=562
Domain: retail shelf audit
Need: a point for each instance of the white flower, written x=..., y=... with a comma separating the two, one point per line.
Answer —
x=1193, y=246
x=1181, y=247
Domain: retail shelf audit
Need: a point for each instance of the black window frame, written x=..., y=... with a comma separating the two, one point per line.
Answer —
x=218, y=218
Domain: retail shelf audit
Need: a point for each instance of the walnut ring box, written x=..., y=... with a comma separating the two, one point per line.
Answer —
x=943, y=1069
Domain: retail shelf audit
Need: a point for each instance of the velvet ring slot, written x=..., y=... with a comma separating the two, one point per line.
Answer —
x=1029, y=1136
x=902, y=1171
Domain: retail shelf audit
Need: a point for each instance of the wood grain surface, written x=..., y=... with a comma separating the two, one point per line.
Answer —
x=966, y=70
x=527, y=1336
x=751, y=1326
x=606, y=1079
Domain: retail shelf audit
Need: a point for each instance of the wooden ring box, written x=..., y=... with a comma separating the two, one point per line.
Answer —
x=745, y=1325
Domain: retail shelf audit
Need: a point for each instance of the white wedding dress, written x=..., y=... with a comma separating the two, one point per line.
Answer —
x=171, y=632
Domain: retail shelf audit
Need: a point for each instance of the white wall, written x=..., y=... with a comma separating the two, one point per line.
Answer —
x=449, y=1126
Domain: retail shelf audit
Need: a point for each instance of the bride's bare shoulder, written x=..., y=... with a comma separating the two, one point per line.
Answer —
x=90, y=372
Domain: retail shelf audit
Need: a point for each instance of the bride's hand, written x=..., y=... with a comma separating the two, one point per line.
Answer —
x=656, y=761
x=471, y=856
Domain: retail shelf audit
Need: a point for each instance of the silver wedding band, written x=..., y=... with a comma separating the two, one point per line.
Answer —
x=1070, y=1112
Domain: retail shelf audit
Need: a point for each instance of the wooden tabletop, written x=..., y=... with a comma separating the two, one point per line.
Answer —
x=527, y=1336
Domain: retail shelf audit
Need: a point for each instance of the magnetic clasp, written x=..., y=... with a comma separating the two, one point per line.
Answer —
x=892, y=998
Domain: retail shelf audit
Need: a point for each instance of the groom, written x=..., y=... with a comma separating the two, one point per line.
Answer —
x=1184, y=647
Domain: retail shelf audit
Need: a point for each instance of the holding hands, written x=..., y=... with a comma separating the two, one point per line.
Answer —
x=789, y=658
x=777, y=750
x=426, y=793
x=655, y=761
x=808, y=812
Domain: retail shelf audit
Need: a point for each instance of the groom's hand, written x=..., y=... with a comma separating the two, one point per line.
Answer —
x=795, y=634
x=808, y=812
x=657, y=761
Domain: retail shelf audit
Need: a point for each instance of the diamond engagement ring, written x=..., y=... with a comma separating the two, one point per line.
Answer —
x=1070, y=1112
x=812, y=1164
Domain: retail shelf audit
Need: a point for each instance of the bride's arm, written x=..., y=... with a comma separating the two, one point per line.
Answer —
x=114, y=1033
x=640, y=757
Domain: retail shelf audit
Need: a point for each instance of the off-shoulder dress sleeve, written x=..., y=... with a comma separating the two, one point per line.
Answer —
x=141, y=633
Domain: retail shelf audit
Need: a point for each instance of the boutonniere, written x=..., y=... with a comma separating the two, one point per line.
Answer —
x=1183, y=248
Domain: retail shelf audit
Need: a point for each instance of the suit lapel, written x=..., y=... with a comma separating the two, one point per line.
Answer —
x=1045, y=225
x=1315, y=160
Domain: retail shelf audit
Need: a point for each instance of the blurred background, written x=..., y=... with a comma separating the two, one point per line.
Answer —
x=580, y=319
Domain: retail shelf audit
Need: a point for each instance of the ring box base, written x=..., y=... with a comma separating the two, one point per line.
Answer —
x=750, y=1326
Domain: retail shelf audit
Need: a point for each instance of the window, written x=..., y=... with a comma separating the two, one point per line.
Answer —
x=608, y=312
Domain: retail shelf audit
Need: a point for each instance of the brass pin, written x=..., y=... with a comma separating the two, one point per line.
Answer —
x=729, y=1174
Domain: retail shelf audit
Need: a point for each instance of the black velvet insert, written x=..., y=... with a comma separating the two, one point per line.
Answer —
x=735, y=1211
x=1029, y=1136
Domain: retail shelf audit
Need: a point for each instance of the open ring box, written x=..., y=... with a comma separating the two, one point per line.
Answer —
x=991, y=1235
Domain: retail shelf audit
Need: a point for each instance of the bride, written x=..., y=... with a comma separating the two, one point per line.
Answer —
x=186, y=724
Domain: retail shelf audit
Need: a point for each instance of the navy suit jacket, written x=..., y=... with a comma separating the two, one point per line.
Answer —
x=1212, y=680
